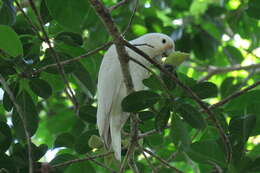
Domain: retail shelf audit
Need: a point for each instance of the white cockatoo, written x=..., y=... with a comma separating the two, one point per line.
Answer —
x=112, y=90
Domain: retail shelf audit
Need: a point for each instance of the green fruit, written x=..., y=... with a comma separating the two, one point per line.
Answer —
x=176, y=58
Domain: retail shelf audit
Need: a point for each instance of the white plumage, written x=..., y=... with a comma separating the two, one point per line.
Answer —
x=111, y=88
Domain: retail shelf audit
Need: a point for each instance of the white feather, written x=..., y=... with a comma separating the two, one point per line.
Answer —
x=111, y=89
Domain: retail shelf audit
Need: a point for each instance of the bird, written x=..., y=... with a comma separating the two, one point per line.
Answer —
x=111, y=88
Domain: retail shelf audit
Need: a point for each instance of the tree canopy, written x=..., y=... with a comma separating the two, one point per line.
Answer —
x=201, y=116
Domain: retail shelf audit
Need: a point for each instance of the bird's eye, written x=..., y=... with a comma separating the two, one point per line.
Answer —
x=163, y=41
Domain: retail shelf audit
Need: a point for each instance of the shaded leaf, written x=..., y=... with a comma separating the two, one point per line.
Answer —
x=7, y=13
x=205, y=90
x=205, y=151
x=179, y=133
x=7, y=163
x=81, y=143
x=64, y=140
x=45, y=12
x=253, y=9
x=227, y=87
x=29, y=113
x=139, y=100
x=234, y=54
x=5, y=137
x=146, y=115
x=88, y=113
x=241, y=127
x=191, y=115
x=40, y=87
x=7, y=103
x=162, y=118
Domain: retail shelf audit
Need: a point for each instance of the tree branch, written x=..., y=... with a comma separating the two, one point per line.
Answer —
x=80, y=160
x=23, y=118
x=119, y=4
x=131, y=19
x=123, y=57
x=212, y=70
x=162, y=160
x=149, y=162
x=234, y=95
x=101, y=164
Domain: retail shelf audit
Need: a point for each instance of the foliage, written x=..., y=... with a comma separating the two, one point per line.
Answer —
x=219, y=34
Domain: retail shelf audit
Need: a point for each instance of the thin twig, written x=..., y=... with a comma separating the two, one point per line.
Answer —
x=34, y=27
x=78, y=58
x=149, y=133
x=80, y=160
x=101, y=164
x=23, y=118
x=131, y=19
x=192, y=94
x=162, y=160
x=171, y=157
x=55, y=56
x=236, y=94
x=149, y=162
x=133, y=165
x=119, y=4
x=212, y=70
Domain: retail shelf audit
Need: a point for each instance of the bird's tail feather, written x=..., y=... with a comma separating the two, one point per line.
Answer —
x=115, y=132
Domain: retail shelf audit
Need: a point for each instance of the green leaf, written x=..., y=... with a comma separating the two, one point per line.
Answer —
x=205, y=151
x=7, y=163
x=146, y=115
x=65, y=117
x=179, y=133
x=30, y=114
x=247, y=103
x=253, y=9
x=81, y=145
x=192, y=116
x=88, y=113
x=206, y=48
x=70, y=38
x=7, y=103
x=40, y=87
x=7, y=13
x=64, y=140
x=241, y=127
x=234, y=54
x=139, y=100
x=227, y=87
x=45, y=12
x=205, y=90
x=75, y=13
x=153, y=83
x=61, y=159
x=5, y=137
x=84, y=79
x=162, y=118
x=254, y=166
x=10, y=42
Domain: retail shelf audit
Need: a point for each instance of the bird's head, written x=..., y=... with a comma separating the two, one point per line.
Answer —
x=156, y=45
